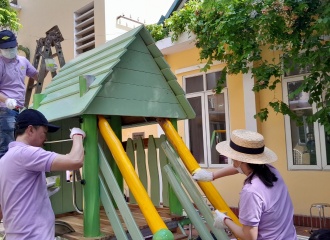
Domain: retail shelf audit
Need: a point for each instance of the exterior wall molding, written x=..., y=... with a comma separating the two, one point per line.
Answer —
x=249, y=102
x=195, y=67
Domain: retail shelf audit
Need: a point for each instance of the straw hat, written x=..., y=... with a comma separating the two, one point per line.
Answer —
x=246, y=146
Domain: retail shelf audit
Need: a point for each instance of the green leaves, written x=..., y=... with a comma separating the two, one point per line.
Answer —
x=8, y=16
x=240, y=32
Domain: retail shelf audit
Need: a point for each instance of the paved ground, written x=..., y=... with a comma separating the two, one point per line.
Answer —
x=303, y=233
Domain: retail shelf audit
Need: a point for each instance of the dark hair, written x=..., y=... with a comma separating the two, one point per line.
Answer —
x=20, y=131
x=263, y=172
x=321, y=234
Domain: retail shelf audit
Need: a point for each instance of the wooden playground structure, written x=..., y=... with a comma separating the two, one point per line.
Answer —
x=126, y=82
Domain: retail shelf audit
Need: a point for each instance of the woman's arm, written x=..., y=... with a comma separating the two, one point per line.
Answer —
x=223, y=172
x=244, y=232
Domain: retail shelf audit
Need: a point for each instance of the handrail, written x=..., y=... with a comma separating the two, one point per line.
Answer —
x=116, y=193
x=192, y=190
x=154, y=221
x=191, y=164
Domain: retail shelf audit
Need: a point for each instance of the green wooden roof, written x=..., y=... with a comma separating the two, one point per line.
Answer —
x=132, y=78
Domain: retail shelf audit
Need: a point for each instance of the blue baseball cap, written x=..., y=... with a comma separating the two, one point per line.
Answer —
x=7, y=39
x=34, y=118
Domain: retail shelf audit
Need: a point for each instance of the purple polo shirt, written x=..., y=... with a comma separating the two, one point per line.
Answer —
x=12, y=76
x=269, y=209
x=27, y=211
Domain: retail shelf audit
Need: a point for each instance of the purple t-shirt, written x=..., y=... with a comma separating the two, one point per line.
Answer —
x=269, y=209
x=27, y=211
x=12, y=75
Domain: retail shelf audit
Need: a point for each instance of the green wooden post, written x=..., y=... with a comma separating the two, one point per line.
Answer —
x=37, y=98
x=90, y=174
x=115, y=123
x=175, y=205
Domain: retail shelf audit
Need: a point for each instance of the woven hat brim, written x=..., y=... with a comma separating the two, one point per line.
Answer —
x=268, y=156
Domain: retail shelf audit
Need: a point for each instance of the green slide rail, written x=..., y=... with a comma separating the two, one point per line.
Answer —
x=189, y=185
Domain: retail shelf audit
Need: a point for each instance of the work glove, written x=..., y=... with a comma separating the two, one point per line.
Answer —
x=77, y=131
x=11, y=103
x=219, y=219
x=202, y=175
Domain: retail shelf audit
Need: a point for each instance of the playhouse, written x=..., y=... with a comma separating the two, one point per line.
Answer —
x=125, y=82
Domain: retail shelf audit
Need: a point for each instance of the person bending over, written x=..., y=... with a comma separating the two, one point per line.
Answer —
x=265, y=206
x=26, y=207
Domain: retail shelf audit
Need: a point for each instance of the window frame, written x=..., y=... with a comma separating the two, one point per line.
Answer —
x=205, y=119
x=319, y=135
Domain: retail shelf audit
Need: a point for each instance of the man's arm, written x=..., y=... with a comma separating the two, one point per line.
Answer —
x=73, y=160
x=3, y=98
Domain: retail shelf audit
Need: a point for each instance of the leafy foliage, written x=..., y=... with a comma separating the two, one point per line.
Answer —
x=238, y=32
x=8, y=16
x=158, y=32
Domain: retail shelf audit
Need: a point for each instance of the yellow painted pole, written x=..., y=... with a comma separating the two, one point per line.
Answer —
x=149, y=211
x=192, y=165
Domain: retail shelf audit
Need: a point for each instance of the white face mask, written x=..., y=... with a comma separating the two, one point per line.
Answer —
x=9, y=53
x=239, y=169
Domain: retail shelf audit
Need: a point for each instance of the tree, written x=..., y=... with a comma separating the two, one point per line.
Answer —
x=238, y=31
x=8, y=16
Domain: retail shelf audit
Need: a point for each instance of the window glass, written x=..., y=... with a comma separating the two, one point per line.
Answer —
x=217, y=126
x=194, y=84
x=196, y=130
x=211, y=123
x=302, y=137
x=212, y=79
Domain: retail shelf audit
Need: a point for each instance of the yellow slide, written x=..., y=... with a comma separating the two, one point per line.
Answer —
x=154, y=221
x=191, y=164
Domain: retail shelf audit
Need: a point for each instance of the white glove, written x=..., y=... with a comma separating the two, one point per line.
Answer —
x=203, y=176
x=75, y=131
x=219, y=219
x=11, y=103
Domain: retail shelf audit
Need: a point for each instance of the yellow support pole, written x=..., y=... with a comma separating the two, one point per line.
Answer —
x=192, y=165
x=155, y=222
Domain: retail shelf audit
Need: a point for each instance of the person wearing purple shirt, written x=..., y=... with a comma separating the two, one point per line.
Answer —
x=27, y=211
x=265, y=206
x=13, y=70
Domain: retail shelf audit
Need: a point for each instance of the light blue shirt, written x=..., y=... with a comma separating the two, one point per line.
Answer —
x=27, y=211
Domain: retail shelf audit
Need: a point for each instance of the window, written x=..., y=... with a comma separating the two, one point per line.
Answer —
x=211, y=124
x=84, y=29
x=308, y=145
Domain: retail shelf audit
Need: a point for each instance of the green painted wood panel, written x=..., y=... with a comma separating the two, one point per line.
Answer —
x=139, y=78
x=176, y=88
x=116, y=194
x=168, y=74
x=138, y=93
x=110, y=211
x=186, y=106
x=162, y=64
x=190, y=185
x=127, y=107
x=138, y=61
x=153, y=171
x=131, y=155
x=138, y=45
x=141, y=162
x=154, y=50
x=62, y=200
x=147, y=38
x=162, y=162
x=185, y=201
x=70, y=106
x=102, y=52
x=100, y=67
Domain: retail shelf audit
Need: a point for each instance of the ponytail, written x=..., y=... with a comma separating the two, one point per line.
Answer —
x=263, y=172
